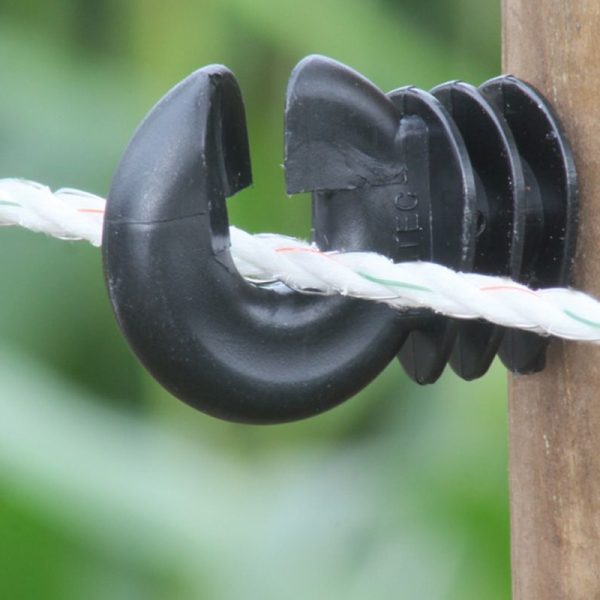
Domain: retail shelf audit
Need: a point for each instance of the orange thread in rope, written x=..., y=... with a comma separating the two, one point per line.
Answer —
x=493, y=288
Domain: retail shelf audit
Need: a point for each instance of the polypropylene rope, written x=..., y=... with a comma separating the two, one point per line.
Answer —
x=76, y=215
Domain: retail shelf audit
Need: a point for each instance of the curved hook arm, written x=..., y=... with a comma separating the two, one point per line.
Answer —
x=224, y=346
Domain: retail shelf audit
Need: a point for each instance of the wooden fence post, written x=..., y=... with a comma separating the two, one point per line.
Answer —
x=554, y=416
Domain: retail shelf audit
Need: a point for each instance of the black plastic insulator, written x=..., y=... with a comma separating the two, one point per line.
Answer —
x=475, y=179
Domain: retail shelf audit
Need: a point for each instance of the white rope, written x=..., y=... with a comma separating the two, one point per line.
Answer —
x=72, y=214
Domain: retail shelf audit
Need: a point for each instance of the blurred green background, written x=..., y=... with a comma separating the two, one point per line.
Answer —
x=111, y=489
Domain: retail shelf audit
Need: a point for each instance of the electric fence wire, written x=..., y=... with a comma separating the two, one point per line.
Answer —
x=76, y=215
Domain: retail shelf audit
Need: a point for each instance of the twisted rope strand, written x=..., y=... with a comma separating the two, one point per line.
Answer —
x=75, y=215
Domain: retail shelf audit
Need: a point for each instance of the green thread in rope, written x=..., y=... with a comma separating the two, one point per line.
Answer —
x=581, y=319
x=391, y=282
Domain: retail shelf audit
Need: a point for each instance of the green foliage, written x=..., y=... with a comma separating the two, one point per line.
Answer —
x=109, y=488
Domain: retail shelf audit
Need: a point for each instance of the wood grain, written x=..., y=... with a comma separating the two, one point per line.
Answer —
x=554, y=416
